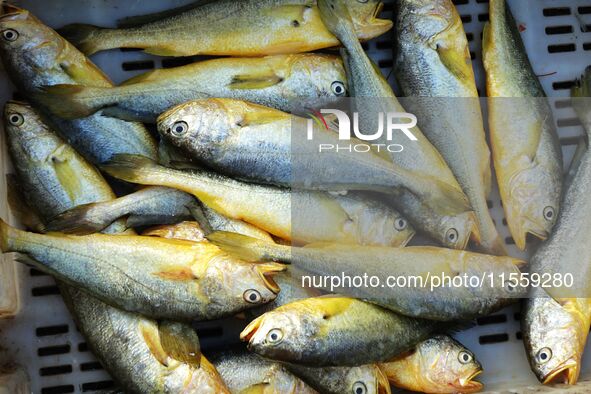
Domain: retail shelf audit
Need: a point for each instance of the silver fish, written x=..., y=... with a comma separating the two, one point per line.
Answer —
x=275, y=81
x=525, y=146
x=433, y=64
x=36, y=56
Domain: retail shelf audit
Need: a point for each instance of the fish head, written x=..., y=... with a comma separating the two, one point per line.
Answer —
x=200, y=126
x=427, y=18
x=237, y=285
x=366, y=379
x=29, y=139
x=530, y=208
x=446, y=364
x=455, y=231
x=343, y=17
x=316, y=75
x=284, y=333
x=554, y=338
x=26, y=43
x=364, y=14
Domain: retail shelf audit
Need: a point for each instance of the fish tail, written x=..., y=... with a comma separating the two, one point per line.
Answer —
x=490, y=240
x=75, y=101
x=87, y=38
x=133, y=168
x=82, y=220
x=7, y=235
x=248, y=248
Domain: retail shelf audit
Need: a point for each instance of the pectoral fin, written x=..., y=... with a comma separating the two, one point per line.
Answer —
x=180, y=342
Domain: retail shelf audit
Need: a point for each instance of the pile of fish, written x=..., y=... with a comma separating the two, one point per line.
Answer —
x=209, y=220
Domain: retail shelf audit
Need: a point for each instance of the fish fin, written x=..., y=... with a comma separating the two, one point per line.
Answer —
x=69, y=101
x=130, y=168
x=242, y=246
x=19, y=207
x=79, y=220
x=198, y=214
x=83, y=37
x=334, y=304
x=150, y=333
x=4, y=236
x=152, y=75
x=180, y=342
x=255, y=81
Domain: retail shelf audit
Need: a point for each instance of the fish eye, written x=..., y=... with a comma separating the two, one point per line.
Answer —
x=511, y=286
x=400, y=224
x=252, y=296
x=16, y=119
x=544, y=355
x=359, y=388
x=549, y=213
x=452, y=235
x=10, y=34
x=362, y=1
x=464, y=357
x=179, y=129
x=338, y=88
x=275, y=336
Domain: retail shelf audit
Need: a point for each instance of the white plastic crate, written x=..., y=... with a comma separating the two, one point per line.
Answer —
x=43, y=337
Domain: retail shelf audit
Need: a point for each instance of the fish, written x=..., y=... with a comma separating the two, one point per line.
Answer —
x=433, y=66
x=261, y=144
x=580, y=98
x=451, y=226
x=226, y=28
x=554, y=335
x=367, y=379
x=144, y=355
x=147, y=206
x=331, y=331
x=157, y=277
x=244, y=372
x=35, y=56
x=274, y=81
x=425, y=292
x=50, y=174
x=525, y=147
x=269, y=208
x=556, y=319
x=141, y=354
x=438, y=365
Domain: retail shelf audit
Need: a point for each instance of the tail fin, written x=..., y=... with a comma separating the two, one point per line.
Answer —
x=582, y=100
x=74, y=101
x=6, y=233
x=81, y=220
x=84, y=37
x=248, y=248
x=131, y=168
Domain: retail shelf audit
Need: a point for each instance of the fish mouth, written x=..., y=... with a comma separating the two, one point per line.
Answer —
x=407, y=240
x=251, y=329
x=382, y=383
x=374, y=26
x=567, y=373
x=266, y=272
x=469, y=385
